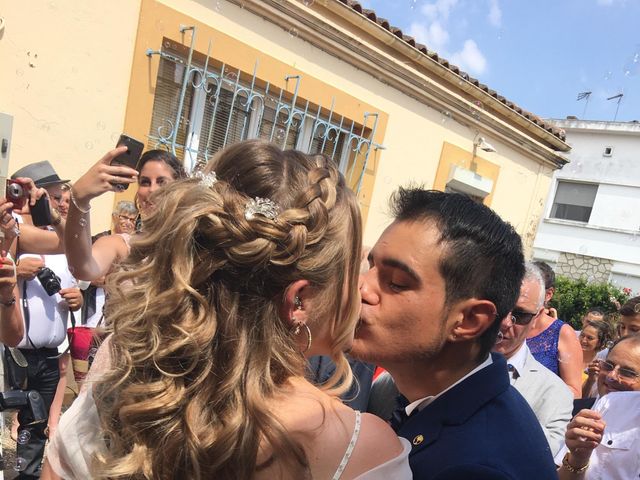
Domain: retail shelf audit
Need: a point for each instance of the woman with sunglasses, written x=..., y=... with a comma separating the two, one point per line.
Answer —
x=592, y=451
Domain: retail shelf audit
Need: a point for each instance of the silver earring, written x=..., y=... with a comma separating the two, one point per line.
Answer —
x=297, y=328
x=297, y=302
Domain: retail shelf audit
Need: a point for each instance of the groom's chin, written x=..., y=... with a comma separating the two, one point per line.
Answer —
x=360, y=349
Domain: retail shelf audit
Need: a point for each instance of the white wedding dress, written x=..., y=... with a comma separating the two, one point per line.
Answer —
x=77, y=439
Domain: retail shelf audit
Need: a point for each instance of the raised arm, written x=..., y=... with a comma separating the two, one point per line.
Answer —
x=32, y=239
x=570, y=360
x=90, y=262
x=43, y=242
x=11, y=322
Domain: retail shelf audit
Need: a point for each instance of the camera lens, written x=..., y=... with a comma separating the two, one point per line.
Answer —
x=15, y=190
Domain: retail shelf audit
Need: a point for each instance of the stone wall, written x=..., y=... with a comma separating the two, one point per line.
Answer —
x=574, y=266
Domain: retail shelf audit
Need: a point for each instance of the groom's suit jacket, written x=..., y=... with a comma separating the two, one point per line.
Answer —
x=480, y=429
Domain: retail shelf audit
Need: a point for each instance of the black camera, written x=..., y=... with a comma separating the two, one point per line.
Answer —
x=18, y=399
x=49, y=280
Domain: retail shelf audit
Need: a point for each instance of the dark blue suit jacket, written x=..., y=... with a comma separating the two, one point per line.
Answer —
x=480, y=429
x=322, y=367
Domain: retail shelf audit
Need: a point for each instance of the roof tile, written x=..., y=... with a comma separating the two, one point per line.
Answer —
x=384, y=23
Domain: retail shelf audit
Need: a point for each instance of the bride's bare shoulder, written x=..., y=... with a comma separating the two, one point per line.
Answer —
x=324, y=426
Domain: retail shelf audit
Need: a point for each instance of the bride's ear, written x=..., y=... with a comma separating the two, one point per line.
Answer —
x=293, y=307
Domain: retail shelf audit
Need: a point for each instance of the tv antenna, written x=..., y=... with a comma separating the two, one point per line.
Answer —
x=619, y=97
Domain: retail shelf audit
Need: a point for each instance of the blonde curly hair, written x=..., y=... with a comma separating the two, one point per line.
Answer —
x=199, y=347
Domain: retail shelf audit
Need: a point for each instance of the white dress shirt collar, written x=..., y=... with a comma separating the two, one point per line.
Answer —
x=518, y=359
x=423, y=402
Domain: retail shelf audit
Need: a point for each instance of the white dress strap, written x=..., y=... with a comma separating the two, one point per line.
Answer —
x=350, y=447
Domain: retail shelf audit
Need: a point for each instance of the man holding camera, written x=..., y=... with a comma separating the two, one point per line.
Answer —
x=48, y=293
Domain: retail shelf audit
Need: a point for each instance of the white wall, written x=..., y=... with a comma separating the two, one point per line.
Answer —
x=65, y=81
x=588, y=163
x=617, y=207
x=613, y=231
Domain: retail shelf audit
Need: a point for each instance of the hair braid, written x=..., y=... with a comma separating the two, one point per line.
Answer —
x=199, y=346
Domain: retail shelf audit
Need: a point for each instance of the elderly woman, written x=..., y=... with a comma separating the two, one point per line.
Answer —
x=124, y=218
x=595, y=449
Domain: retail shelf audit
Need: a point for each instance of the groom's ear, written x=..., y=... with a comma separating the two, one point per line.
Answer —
x=471, y=318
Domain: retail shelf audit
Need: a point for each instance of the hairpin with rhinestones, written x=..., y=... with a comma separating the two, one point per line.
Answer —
x=207, y=178
x=264, y=207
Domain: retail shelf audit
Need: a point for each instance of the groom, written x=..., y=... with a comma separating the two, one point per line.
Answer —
x=441, y=278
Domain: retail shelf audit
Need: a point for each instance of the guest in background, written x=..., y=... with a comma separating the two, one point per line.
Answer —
x=629, y=317
x=592, y=314
x=553, y=342
x=593, y=338
x=603, y=442
x=547, y=395
x=49, y=294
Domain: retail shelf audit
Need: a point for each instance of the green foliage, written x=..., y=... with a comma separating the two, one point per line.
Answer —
x=573, y=298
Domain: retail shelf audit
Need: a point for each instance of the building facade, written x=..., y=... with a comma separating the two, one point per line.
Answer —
x=591, y=226
x=327, y=76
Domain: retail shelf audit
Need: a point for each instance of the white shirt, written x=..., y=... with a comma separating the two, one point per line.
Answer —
x=94, y=319
x=517, y=360
x=423, y=402
x=47, y=314
x=602, y=354
x=618, y=455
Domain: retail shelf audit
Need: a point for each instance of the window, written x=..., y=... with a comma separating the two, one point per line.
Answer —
x=574, y=201
x=608, y=151
x=224, y=109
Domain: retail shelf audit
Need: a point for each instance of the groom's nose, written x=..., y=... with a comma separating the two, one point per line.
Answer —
x=368, y=290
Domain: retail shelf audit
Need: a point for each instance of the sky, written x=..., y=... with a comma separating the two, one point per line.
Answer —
x=540, y=54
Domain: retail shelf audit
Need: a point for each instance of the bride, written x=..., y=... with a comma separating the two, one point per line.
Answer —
x=236, y=277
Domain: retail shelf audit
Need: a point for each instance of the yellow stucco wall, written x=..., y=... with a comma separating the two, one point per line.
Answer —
x=414, y=133
x=65, y=79
x=93, y=81
x=159, y=21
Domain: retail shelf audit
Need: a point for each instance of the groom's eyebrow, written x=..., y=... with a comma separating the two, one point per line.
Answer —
x=400, y=265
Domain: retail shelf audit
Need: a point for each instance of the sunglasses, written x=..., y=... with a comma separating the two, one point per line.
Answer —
x=518, y=317
x=624, y=373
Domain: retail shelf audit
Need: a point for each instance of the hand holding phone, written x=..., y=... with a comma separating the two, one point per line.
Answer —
x=41, y=212
x=129, y=158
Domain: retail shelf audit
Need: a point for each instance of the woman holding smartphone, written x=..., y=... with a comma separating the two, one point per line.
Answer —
x=156, y=168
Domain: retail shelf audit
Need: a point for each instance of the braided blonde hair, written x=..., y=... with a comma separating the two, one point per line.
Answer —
x=198, y=347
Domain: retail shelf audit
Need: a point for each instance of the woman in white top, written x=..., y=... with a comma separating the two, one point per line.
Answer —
x=232, y=282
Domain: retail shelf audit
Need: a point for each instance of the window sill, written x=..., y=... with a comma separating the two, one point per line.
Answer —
x=575, y=223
